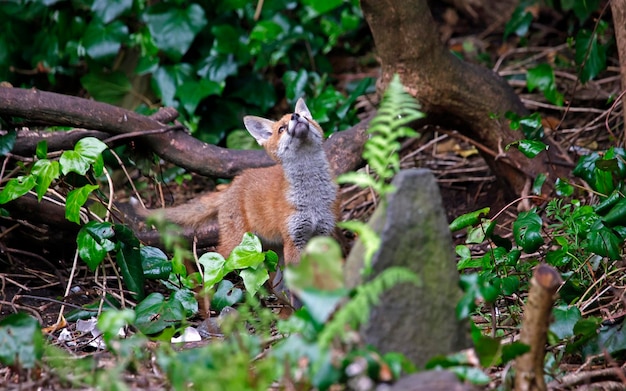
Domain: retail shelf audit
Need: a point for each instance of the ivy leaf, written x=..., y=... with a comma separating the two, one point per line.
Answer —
x=249, y=253
x=468, y=219
x=519, y=22
x=103, y=42
x=72, y=161
x=253, y=279
x=166, y=80
x=214, y=268
x=128, y=259
x=155, y=263
x=107, y=10
x=225, y=295
x=75, y=200
x=90, y=148
x=542, y=78
x=565, y=318
x=42, y=149
x=21, y=341
x=563, y=188
x=590, y=55
x=530, y=148
x=322, y=7
x=174, y=29
x=217, y=67
x=192, y=92
x=45, y=171
x=17, y=187
x=603, y=241
x=87, y=151
x=527, y=231
x=94, y=242
x=155, y=314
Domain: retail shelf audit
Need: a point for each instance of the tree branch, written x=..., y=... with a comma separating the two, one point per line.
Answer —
x=343, y=149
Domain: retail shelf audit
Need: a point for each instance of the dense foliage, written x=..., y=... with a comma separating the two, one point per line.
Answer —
x=213, y=61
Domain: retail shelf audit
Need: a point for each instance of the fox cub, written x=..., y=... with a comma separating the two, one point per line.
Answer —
x=285, y=205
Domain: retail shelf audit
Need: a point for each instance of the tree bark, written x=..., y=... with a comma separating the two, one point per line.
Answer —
x=407, y=42
x=343, y=148
x=541, y=295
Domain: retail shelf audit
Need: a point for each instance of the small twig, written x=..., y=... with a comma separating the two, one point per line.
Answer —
x=130, y=180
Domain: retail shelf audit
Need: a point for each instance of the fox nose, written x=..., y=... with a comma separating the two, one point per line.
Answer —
x=298, y=126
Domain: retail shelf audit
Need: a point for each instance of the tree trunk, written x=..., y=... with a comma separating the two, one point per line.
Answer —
x=407, y=43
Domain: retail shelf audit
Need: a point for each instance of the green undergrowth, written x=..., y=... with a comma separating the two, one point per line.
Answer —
x=313, y=348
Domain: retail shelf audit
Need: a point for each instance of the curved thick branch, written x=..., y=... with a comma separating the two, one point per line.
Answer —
x=176, y=146
x=408, y=43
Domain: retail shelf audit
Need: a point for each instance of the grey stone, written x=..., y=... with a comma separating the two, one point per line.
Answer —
x=418, y=321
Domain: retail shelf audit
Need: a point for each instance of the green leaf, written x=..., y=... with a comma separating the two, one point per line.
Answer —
x=488, y=350
x=187, y=298
x=225, y=295
x=109, y=87
x=616, y=215
x=94, y=242
x=253, y=279
x=154, y=314
x=513, y=350
x=174, y=29
x=45, y=171
x=519, y=22
x=72, y=161
x=527, y=231
x=249, y=253
x=90, y=148
x=7, y=141
x=17, y=187
x=214, y=268
x=530, y=148
x=217, y=67
x=166, y=80
x=21, y=341
x=476, y=287
x=75, y=200
x=266, y=31
x=192, y=92
x=107, y=10
x=563, y=188
x=590, y=55
x=610, y=339
x=603, y=241
x=509, y=285
x=155, y=263
x=128, y=258
x=103, y=42
x=42, y=149
x=542, y=78
x=322, y=7
x=468, y=219
x=565, y=318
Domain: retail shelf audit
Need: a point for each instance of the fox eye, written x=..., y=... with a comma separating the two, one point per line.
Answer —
x=282, y=129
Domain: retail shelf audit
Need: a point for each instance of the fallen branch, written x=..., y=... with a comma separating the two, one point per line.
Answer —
x=541, y=295
x=179, y=147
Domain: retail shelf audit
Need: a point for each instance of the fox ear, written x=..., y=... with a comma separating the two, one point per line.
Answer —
x=260, y=128
x=302, y=109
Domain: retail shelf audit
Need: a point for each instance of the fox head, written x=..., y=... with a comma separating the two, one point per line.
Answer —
x=288, y=137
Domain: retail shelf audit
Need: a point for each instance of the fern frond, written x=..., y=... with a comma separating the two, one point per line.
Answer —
x=397, y=109
x=356, y=312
